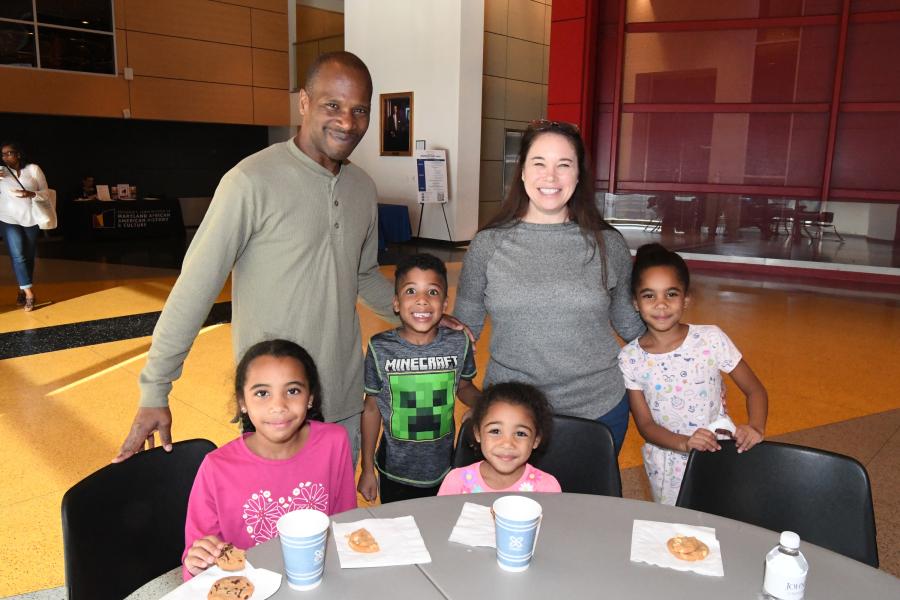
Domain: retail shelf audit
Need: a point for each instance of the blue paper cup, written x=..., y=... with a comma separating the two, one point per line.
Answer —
x=516, y=521
x=303, y=535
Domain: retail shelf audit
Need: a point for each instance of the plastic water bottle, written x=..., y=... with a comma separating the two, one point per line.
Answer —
x=786, y=569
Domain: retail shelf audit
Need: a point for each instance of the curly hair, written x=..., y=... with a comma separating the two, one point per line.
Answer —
x=519, y=394
x=278, y=349
x=423, y=262
x=656, y=255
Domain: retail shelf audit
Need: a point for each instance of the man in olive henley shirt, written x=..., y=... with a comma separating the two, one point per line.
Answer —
x=297, y=225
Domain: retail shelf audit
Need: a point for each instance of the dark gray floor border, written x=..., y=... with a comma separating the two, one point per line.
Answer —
x=87, y=333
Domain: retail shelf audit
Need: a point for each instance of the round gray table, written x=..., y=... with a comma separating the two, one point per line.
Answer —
x=583, y=551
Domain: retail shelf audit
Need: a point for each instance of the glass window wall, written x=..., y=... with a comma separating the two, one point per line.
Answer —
x=61, y=34
x=730, y=137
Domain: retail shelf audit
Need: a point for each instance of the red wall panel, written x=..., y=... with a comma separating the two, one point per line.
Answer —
x=566, y=62
x=568, y=9
x=570, y=113
x=870, y=71
x=866, y=151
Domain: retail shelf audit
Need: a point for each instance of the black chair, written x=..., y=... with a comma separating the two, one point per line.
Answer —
x=581, y=455
x=124, y=524
x=818, y=221
x=822, y=496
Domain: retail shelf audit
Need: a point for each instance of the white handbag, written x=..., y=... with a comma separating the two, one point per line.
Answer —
x=43, y=209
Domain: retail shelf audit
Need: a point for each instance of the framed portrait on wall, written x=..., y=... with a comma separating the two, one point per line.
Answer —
x=396, y=124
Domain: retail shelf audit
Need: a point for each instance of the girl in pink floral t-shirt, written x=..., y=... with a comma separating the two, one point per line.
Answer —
x=509, y=422
x=289, y=462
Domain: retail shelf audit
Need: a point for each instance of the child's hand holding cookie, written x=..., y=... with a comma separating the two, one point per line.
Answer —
x=203, y=554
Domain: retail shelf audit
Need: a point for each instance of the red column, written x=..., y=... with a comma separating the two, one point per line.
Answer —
x=568, y=78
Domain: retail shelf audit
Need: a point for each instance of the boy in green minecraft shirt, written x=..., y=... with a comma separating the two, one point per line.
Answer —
x=412, y=376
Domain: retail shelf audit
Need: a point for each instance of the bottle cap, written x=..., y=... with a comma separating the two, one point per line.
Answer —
x=789, y=539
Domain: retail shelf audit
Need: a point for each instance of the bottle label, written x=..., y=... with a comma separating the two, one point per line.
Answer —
x=784, y=586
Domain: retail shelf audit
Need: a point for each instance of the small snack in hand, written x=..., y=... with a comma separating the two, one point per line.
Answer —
x=231, y=559
x=231, y=588
x=687, y=548
x=362, y=541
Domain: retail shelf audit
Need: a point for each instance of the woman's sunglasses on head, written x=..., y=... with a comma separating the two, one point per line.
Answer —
x=546, y=125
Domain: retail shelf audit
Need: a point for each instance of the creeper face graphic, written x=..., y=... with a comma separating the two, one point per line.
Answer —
x=422, y=405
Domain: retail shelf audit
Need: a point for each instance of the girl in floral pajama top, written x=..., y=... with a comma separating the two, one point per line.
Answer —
x=673, y=376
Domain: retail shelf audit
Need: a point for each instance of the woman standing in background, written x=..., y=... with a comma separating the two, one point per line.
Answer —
x=20, y=181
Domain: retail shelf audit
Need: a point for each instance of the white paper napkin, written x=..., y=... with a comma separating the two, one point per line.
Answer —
x=399, y=543
x=648, y=544
x=475, y=526
x=265, y=583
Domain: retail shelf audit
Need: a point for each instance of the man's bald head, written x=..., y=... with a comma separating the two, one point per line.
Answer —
x=345, y=59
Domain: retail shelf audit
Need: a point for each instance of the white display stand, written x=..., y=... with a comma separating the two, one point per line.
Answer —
x=431, y=177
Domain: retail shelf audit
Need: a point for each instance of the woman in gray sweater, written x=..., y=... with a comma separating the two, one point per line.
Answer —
x=554, y=277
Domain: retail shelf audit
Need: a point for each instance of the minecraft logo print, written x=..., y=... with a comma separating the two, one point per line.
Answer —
x=422, y=405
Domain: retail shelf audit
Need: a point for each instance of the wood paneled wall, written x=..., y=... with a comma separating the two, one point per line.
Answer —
x=317, y=24
x=217, y=61
x=318, y=31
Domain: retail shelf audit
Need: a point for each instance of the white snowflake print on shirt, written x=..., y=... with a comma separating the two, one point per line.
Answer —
x=307, y=495
x=260, y=514
x=261, y=511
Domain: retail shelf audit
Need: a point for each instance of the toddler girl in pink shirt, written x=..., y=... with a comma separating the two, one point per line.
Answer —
x=509, y=423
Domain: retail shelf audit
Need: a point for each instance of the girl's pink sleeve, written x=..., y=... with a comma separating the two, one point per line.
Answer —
x=550, y=484
x=451, y=484
x=343, y=485
x=202, y=517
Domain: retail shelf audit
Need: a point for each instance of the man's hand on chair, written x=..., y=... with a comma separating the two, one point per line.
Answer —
x=147, y=421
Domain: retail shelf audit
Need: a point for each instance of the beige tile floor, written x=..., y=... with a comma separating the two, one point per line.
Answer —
x=825, y=358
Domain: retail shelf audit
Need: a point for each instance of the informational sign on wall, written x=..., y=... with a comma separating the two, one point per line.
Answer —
x=431, y=175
